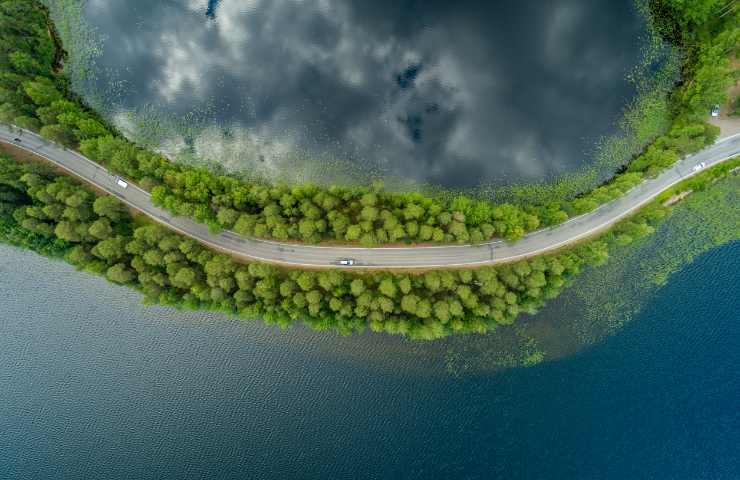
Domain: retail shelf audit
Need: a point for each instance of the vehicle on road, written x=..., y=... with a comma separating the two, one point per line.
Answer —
x=715, y=111
x=17, y=140
x=403, y=258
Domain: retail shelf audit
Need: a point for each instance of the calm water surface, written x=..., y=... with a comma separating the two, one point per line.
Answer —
x=93, y=385
x=454, y=93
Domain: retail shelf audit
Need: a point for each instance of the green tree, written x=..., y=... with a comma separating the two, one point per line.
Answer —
x=185, y=278
x=101, y=229
x=357, y=287
x=387, y=287
x=112, y=249
x=42, y=91
x=120, y=273
x=59, y=134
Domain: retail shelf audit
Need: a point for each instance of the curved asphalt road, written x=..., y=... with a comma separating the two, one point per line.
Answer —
x=534, y=243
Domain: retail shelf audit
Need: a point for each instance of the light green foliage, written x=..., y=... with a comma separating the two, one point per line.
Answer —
x=56, y=216
x=368, y=215
x=110, y=208
x=101, y=229
x=172, y=270
x=120, y=273
x=690, y=13
x=58, y=134
x=41, y=91
x=609, y=297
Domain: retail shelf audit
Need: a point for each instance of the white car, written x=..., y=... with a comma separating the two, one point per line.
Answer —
x=700, y=166
x=715, y=111
x=347, y=261
x=121, y=182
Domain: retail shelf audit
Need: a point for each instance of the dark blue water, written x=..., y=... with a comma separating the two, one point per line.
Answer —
x=95, y=386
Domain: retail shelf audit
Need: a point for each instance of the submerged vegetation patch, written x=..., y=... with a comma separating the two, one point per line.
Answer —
x=605, y=299
x=706, y=219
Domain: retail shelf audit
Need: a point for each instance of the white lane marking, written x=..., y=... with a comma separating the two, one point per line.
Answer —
x=723, y=140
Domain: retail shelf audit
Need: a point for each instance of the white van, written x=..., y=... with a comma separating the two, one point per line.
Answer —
x=121, y=183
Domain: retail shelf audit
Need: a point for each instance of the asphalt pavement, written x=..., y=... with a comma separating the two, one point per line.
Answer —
x=316, y=256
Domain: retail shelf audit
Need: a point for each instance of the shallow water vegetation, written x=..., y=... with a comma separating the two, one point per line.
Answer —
x=606, y=299
x=610, y=297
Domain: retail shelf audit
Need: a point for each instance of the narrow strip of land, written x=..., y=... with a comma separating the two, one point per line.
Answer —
x=413, y=257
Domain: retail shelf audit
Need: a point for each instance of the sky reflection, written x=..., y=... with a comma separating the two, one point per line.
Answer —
x=454, y=93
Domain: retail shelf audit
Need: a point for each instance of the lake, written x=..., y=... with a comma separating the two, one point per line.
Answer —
x=457, y=94
x=95, y=385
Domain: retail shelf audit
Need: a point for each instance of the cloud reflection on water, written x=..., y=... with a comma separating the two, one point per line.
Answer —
x=455, y=93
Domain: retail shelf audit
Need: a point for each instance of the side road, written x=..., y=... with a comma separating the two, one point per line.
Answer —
x=534, y=243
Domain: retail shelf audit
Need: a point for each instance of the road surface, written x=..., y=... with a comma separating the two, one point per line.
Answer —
x=387, y=258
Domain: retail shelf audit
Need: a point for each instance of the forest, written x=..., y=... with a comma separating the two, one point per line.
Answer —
x=34, y=94
x=58, y=216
